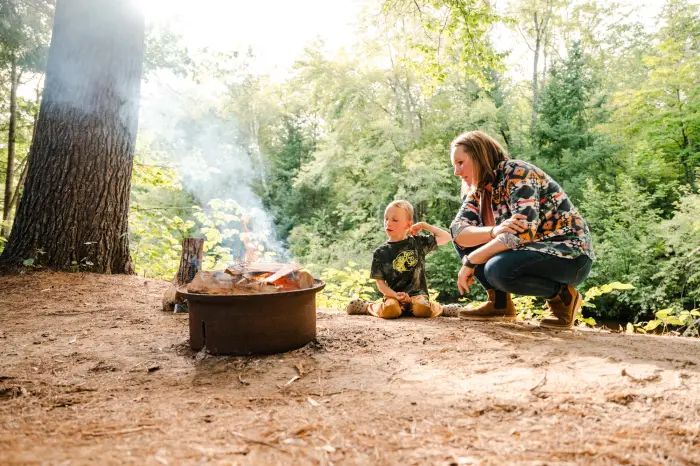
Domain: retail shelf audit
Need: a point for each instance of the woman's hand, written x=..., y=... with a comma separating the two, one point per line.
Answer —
x=464, y=279
x=514, y=225
x=417, y=227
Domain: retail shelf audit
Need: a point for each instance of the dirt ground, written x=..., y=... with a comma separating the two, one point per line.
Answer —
x=92, y=372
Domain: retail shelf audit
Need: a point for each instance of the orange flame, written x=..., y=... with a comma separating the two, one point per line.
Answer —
x=249, y=243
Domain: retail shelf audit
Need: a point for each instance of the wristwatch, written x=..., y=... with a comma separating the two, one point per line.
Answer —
x=467, y=263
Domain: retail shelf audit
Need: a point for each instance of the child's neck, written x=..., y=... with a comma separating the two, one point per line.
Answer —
x=396, y=240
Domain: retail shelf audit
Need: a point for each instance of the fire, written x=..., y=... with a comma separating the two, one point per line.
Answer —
x=261, y=277
x=251, y=246
x=252, y=279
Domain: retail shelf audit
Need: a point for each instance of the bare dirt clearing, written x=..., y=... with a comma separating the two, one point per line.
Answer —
x=93, y=372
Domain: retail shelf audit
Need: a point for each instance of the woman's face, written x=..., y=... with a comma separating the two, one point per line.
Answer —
x=463, y=165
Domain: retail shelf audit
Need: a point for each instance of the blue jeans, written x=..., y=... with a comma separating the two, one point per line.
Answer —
x=529, y=273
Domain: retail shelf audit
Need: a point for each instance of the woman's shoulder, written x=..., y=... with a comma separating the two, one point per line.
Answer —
x=516, y=169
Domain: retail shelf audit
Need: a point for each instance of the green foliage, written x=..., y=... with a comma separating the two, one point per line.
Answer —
x=344, y=285
x=565, y=144
x=678, y=274
x=34, y=262
x=449, y=35
x=685, y=322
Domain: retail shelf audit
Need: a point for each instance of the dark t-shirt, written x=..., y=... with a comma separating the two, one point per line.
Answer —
x=401, y=264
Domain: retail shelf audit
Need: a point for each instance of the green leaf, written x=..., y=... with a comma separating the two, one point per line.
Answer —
x=652, y=324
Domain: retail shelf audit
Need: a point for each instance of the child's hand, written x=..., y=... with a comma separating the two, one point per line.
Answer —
x=417, y=227
x=403, y=297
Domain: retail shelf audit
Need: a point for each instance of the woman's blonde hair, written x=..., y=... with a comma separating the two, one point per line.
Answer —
x=485, y=152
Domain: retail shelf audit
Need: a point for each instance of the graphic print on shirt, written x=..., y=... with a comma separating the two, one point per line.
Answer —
x=405, y=261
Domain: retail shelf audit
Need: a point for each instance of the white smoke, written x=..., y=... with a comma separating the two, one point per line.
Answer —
x=207, y=148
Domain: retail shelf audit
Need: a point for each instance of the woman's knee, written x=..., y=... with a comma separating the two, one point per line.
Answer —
x=583, y=271
x=500, y=273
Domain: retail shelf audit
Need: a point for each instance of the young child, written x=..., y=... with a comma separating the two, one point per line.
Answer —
x=399, y=266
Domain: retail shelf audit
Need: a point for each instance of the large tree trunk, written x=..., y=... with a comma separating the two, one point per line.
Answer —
x=10, y=172
x=76, y=197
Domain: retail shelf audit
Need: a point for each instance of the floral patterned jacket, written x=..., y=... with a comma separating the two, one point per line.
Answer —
x=555, y=226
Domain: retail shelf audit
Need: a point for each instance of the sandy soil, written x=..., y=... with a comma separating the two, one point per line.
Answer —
x=92, y=372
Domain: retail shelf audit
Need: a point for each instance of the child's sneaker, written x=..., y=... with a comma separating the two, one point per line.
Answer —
x=451, y=310
x=357, y=307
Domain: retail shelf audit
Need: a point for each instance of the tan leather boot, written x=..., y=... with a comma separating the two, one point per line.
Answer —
x=563, y=315
x=488, y=310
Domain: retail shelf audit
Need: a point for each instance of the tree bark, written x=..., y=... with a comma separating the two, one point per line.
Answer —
x=76, y=197
x=10, y=172
x=190, y=264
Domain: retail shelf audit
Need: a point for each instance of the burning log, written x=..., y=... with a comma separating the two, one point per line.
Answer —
x=252, y=279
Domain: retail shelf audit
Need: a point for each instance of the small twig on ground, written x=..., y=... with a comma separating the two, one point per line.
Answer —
x=292, y=380
x=651, y=378
x=121, y=432
x=258, y=442
x=540, y=383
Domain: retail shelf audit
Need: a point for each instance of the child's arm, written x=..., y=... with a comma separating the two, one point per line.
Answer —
x=442, y=236
x=389, y=293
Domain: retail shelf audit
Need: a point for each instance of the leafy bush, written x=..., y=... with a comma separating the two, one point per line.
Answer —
x=344, y=285
x=686, y=323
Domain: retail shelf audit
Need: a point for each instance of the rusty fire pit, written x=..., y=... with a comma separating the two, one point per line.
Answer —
x=261, y=323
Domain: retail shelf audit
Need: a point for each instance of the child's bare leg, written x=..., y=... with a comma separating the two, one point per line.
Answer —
x=422, y=307
x=388, y=309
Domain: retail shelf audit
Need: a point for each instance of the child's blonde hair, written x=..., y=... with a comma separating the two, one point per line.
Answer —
x=401, y=204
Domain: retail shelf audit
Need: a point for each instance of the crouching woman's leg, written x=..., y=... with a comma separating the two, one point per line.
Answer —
x=421, y=306
x=388, y=308
x=532, y=273
x=499, y=305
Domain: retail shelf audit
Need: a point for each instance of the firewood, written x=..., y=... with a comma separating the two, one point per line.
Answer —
x=286, y=270
x=304, y=280
x=190, y=263
x=211, y=283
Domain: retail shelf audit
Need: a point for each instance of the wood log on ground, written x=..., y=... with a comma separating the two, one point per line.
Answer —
x=190, y=264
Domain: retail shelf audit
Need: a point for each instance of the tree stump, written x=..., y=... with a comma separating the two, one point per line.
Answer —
x=190, y=264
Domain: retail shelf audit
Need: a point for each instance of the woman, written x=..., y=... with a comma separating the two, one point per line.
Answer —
x=516, y=232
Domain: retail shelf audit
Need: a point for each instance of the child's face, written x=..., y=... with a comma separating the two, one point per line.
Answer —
x=396, y=223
